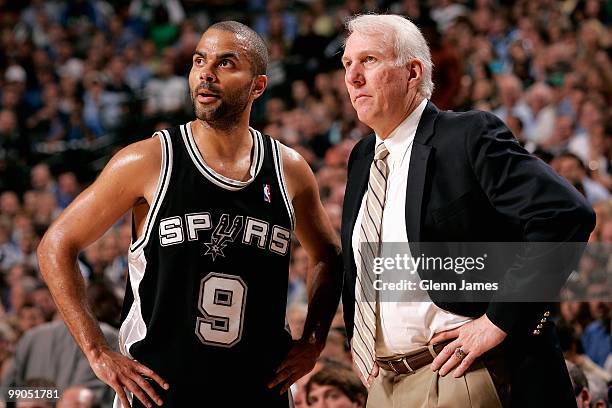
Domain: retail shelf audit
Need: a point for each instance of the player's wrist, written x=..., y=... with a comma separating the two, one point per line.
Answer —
x=94, y=352
x=313, y=340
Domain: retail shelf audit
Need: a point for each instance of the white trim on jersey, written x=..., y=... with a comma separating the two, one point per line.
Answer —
x=162, y=186
x=280, y=173
x=216, y=178
x=134, y=329
x=290, y=396
x=130, y=397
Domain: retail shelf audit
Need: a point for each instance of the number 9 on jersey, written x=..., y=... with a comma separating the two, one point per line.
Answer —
x=221, y=302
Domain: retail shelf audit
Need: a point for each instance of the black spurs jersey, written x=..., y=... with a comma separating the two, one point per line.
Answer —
x=207, y=288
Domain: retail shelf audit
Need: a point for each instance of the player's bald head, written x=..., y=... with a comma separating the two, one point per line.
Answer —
x=255, y=47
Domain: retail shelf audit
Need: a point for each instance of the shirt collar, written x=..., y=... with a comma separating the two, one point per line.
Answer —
x=402, y=136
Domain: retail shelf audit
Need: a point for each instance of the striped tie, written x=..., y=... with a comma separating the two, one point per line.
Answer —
x=369, y=246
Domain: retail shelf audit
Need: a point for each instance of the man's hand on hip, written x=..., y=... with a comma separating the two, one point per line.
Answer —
x=471, y=341
x=300, y=360
x=367, y=382
x=121, y=373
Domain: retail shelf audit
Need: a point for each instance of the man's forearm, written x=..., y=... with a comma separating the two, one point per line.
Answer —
x=324, y=287
x=60, y=270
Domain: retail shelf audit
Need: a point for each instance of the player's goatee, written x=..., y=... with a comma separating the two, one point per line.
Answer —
x=231, y=103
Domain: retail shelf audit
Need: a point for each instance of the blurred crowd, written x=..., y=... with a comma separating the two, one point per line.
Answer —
x=81, y=78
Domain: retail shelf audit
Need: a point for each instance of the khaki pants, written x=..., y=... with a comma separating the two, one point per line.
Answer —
x=426, y=389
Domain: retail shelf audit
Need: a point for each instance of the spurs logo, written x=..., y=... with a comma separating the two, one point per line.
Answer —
x=177, y=230
x=222, y=235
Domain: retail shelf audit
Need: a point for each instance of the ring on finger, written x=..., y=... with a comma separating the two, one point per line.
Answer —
x=460, y=353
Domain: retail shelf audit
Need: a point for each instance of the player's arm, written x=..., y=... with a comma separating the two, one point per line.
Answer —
x=125, y=181
x=324, y=281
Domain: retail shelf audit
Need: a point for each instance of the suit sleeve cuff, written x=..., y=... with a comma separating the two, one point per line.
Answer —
x=503, y=315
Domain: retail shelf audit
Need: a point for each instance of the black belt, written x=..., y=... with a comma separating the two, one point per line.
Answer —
x=410, y=363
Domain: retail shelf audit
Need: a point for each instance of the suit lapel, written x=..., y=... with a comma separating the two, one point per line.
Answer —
x=417, y=172
x=414, y=190
x=355, y=191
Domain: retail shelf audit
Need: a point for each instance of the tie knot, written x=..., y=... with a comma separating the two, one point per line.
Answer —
x=381, y=152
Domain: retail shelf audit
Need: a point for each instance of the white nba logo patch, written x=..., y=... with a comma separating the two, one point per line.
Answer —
x=267, y=193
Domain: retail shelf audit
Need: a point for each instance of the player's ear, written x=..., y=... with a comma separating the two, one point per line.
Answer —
x=260, y=82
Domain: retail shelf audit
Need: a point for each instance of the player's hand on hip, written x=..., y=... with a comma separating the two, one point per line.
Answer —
x=121, y=373
x=300, y=361
x=471, y=341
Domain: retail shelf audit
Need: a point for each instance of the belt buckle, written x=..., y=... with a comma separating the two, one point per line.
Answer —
x=404, y=362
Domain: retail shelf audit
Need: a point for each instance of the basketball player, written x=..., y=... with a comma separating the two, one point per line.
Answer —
x=214, y=203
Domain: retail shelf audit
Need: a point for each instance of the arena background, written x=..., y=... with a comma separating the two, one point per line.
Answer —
x=79, y=79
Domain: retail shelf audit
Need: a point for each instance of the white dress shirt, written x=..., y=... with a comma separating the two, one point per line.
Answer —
x=403, y=323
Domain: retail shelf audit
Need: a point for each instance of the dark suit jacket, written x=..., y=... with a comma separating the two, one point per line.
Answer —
x=470, y=181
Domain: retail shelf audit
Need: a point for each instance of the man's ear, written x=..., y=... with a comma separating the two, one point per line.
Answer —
x=415, y=72
x=586, y=397
x=260, y=82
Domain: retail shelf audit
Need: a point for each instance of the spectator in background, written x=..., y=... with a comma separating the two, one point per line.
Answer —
x=447, y=75
x=445, y=12
x=7, y=344
x=120, y=95
x=67, y=188
x=48, y=124
x=166, y=93
x=80, y=14
x=539, y=101
x=573, y=352
x=334, y=212
x=335, y=388
x=590, y=117
x=308, y=48
x=10, y=141
x=277, y=22
x=9, y=204
x=296, y=316
x=162, y=31
x=50, y=352
x=41, y=298
x=137, y=73
x=599, y=157
x=277, y=72
x=52, y=10
x=29, y=316
x=570, y=166
x=144, y=10
x=580, y=384
x=18, y=271
x=41, y=179
x=298, y=389
x=558, y=141
x=98, y=104
x=77, y=128
x=596, y=338
x=47, y=209
x=512, y=102
x=603, y=213
x=19, y=292
x=116, y=272
x=575, y=315
x=9, y=253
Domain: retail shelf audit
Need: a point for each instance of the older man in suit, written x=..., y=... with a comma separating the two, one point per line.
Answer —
x=428, y=175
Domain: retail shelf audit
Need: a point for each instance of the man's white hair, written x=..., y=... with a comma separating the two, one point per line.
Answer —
x=407, y=40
